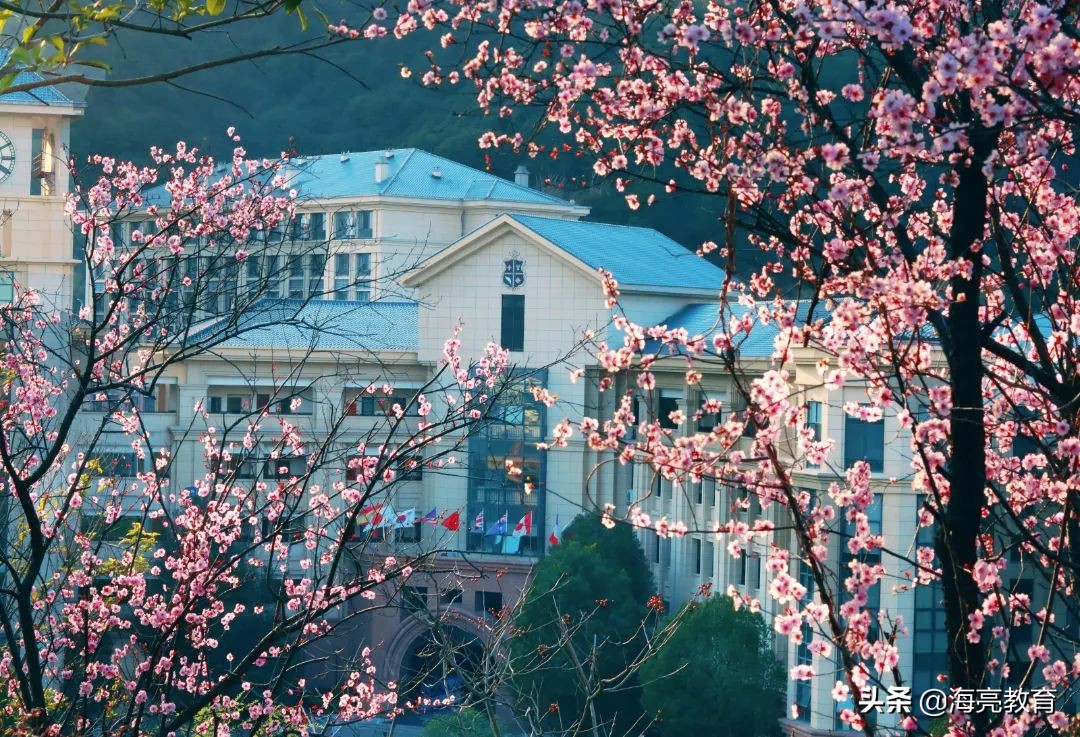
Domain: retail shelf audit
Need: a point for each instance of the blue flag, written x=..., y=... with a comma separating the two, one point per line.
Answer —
x=499, y=528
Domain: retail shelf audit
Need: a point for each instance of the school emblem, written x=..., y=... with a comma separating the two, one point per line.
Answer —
x=514, y=273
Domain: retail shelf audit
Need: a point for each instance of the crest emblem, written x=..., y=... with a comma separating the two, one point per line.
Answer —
x=514, y=272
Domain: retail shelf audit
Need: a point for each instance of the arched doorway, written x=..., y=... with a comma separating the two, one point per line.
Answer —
x=439, y=663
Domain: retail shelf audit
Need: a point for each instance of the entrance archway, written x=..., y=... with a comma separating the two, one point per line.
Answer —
x=439, y=663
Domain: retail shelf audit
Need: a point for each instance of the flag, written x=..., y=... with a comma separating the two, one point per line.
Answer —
x=499, y=528
x=453, y=522
x=385, y=517
x=556, y=534
x=405, y=519
x=363, y=519
x=524, y=527
x=365, y=515
x=432, y=517
x=478, y=523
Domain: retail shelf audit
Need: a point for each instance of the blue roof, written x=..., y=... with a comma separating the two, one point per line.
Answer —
x=322, y=325
x=409, y=175
x=47, y=95
x=703, y=318
x=636, y=257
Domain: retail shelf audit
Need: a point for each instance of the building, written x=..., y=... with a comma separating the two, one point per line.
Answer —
x=35, y=240
x=393, y=249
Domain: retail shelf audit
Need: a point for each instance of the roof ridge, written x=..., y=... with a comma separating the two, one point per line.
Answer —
x=383, y=186
x=594, y=222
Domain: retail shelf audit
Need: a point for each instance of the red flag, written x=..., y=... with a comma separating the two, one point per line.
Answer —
x=524, y=527
x=453, y=522
x=554, y=537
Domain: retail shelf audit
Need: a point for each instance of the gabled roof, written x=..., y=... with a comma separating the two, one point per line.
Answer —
x=47, y=95
x=636, y=257
x=322, y=325
x=703, y=318
x=409, y=175
x=640, y=259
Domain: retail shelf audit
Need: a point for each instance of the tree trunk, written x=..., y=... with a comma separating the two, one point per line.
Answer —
x=957, y=539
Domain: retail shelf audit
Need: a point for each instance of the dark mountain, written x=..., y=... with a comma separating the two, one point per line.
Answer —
x=352, y=98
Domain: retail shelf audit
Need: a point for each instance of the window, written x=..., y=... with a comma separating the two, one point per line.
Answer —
x=286, y=467
x=813, y=418
x=738, y=569
x=488, y=602
x=296, y=277
x=363, y=224
x=864, y=441
x=310, y=226
x=362, y=262
x=7, y=286
x=316, y=273
x=231, y=403
x=119, y=464
x=656, y=548
x=709, y=416
x=709, y=559
x=99, y=295
x=239, y=466
x=281, y=404
x=507, y=470
x=669, y=402
x=695, y=553
x=344, y=225
x=450, y=596
x=352, y=276
x=708, y=491
x=803, y=656
x=368, y=405
x=350, y=224
x=275, y=274
x=41, y=162
x=341, y=276
x=806, y=578
x=754, y=564
x=513, y=322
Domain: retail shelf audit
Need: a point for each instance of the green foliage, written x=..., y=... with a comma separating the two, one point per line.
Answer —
x=716, y=675
x=136, y=546
x=460, y=723
x=584, y=615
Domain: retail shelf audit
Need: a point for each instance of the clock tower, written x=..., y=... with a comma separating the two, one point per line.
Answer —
x=35, y=234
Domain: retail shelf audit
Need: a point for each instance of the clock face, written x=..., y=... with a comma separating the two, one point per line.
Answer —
x=7, y=157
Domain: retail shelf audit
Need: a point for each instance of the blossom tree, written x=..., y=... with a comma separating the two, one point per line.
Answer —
x=905, y=169
x=134, y=599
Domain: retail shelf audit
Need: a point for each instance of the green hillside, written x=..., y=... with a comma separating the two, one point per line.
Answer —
x=355, y=99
